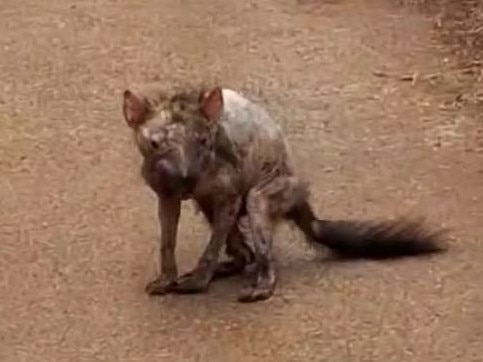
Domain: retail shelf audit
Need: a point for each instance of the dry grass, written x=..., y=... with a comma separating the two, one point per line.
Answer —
x=459, y=26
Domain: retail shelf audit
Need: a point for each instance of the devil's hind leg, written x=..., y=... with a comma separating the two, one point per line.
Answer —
x=239, y=252
x=266, y=204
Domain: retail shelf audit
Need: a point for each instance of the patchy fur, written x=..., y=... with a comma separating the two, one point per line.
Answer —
x=227, y=154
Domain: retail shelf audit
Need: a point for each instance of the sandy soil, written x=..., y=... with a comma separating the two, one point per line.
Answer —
x=372, y=107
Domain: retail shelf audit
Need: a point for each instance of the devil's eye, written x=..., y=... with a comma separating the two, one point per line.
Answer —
x=154, y=144
x=203, y=141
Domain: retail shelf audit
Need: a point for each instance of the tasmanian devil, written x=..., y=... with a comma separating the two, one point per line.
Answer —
x=226, y=153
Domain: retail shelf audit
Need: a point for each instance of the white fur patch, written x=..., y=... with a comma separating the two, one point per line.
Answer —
x=243, y=117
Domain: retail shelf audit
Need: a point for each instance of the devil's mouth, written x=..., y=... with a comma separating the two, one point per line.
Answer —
x=167, y=168
x=171, y=177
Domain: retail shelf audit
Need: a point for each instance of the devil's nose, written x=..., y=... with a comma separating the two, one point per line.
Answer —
x=167, y=167
x=172, y=169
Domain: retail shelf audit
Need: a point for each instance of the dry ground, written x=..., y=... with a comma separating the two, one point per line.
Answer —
x=372, y=104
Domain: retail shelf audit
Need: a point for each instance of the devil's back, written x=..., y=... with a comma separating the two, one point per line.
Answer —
x=245, y=120
x=256, y=135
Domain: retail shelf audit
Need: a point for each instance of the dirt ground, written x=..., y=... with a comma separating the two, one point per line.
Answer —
x=374, y=110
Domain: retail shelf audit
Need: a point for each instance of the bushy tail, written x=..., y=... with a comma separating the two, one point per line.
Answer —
x=370, y=240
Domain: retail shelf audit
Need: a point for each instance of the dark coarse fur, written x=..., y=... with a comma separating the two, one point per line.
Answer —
x=382, y=240
x=369, y=239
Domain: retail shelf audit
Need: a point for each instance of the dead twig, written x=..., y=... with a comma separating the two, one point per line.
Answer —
x=413, y=77
x=476, y=31
x=379, y=73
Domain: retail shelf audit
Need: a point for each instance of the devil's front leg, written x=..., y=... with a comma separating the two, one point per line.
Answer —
x=224, y=218
x=169, y=209
x=266, y=204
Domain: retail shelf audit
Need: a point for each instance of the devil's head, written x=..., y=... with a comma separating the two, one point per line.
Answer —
x=177, y=132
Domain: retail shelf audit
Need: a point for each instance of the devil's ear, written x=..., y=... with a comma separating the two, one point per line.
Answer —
x=135, y=108
x=211, y=103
